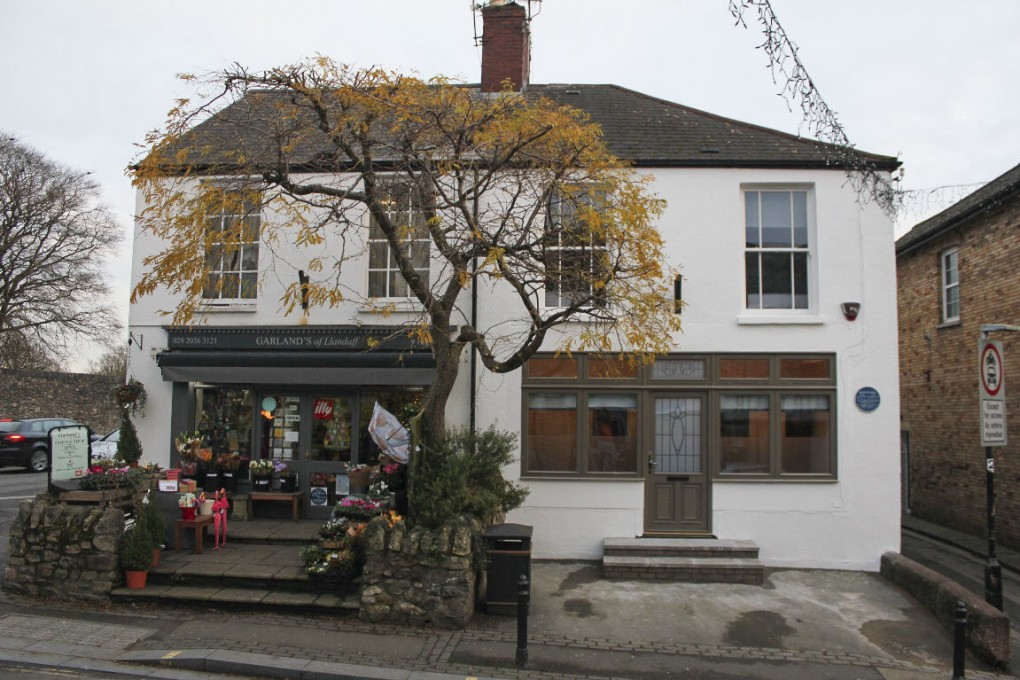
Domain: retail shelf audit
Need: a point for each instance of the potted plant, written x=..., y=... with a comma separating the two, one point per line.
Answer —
x=188, y=445
x=130, y=396
x=188, y=504
x=135, y=555
x=228, y=464
x=129, y=448
x=261, y=474
x=287, y=479
x=151, y=517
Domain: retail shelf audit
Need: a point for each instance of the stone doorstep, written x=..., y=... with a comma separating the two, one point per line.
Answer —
x=685, y=569
x=680, y=547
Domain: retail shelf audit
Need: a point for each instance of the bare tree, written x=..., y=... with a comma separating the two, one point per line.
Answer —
x=21, y=353
x=54, y=236
x=112, y=363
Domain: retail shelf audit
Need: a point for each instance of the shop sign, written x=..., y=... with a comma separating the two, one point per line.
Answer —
x=69, y=454
x=338, y=338
x=322, y=409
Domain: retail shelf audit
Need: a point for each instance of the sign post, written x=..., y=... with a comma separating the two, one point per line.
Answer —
x=992, y=399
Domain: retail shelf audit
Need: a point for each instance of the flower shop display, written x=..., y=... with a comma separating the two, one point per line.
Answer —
x=261, y=474
x=359, y=476
x=228, y=465
x=288, y=480
x=205, y=504
x=189, y=445
x=358, y=509
x=188, y=504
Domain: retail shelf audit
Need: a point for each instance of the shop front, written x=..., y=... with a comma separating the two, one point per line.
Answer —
x=300, y=397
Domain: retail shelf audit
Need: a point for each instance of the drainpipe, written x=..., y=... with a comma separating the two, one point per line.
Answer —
x=474, y=318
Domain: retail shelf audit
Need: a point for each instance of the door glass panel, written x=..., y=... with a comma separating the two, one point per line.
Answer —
x=678, y=434
x=331, y=429
x=281, y=426
x=224, y=419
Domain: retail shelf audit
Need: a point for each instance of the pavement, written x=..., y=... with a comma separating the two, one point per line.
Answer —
x=801, y=624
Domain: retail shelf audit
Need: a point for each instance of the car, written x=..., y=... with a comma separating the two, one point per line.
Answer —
x=26, y=443
x=106, y=446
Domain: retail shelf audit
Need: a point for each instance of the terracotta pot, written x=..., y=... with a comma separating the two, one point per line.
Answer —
x=155, y=556
x=135, y=579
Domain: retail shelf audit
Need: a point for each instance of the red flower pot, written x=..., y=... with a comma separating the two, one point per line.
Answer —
x=188, y=513
x=135, y=579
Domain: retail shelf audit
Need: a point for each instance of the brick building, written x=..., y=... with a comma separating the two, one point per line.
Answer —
x=956, y=271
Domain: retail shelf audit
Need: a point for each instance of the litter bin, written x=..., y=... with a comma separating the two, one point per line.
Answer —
x=508, y=548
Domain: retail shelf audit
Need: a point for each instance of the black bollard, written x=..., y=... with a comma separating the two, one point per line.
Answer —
x=959, y=641
x=523, y=598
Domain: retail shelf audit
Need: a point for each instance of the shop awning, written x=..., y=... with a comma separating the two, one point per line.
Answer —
x=297, y=367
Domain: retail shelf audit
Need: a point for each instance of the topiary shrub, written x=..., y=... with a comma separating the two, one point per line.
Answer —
x=463, y=477
x=129, y=448
x=135, y=551
x=152, y=519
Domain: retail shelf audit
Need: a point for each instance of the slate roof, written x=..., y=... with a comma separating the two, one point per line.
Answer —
x=647, y=131
x=986, y=198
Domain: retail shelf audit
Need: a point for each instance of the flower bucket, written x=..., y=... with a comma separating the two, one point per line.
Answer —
x=205, y=507
x=229, y=480
x=262, y=483
x=212, y=482
x=188, y=513
x=135, y=579
x=287, y=483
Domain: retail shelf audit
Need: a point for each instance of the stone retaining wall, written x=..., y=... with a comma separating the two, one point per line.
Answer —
x=418, y=576
x=63, y=551
x=987, y=627
x=82, y=397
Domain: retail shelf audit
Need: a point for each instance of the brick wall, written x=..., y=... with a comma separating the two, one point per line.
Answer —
x=939, y=374
x=41, y=394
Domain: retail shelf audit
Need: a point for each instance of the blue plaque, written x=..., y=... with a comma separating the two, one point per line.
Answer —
x=868, y=399
x=319, y=495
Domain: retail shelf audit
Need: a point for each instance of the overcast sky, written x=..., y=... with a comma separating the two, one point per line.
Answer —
x=930, y=81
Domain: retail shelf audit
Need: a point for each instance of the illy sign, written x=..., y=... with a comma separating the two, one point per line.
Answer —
x=992, y=388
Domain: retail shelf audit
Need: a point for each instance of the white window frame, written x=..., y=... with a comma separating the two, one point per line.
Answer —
x=391, y=284
x=947, y=286
x=558, y=213
x=805, y=247
x=245, y=264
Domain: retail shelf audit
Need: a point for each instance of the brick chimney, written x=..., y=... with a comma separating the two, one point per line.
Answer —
x=506, y=46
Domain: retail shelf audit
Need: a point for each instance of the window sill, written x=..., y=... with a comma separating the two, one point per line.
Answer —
x=949, y=324
x=573, y=477
x=227, y=307
x=383, y=306
x=780, y=319
x=761, y=479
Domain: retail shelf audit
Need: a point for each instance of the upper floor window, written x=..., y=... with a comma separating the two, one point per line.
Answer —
x=574, y=256
x=950, y=285
x=776, y=249
x=408, y=209
x=232, y=246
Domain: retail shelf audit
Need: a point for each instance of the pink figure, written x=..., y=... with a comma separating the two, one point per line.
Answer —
x=219, y=508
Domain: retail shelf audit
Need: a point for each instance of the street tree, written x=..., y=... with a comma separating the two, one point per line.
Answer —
x=509, y=193
x=54, y=237
x=111, y=363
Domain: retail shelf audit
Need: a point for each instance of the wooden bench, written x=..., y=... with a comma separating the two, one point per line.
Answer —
x=294, y=497
x=198, y=524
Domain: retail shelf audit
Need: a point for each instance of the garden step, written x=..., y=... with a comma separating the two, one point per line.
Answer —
x=216, y=596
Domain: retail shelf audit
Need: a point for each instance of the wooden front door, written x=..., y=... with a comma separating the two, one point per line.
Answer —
x=677, y=489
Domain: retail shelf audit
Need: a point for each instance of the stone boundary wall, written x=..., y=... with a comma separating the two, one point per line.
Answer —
x=42, y=394
x=987, y=627
x=63, y=551
x=419, y=576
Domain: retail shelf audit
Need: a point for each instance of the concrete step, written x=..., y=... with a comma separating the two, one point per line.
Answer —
x=219, y=596
x=680, y=547
x=684, y=569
